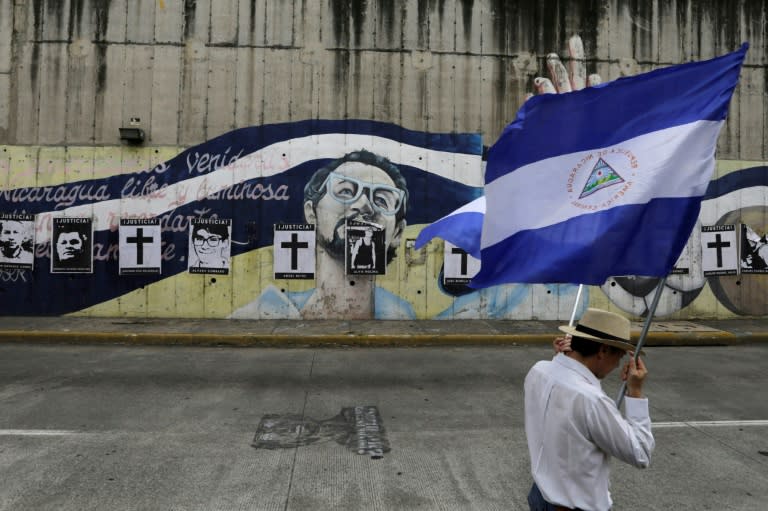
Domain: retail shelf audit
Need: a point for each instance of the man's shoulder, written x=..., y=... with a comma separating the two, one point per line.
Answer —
x=542, y=365
x=563, y=375
x=540, y=369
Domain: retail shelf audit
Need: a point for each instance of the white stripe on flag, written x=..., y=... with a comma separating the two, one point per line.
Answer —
x=686, y=148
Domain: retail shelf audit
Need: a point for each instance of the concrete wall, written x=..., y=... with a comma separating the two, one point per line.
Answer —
x=73, y=71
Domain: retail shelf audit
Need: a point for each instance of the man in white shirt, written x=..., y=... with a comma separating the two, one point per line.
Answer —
x=573, y=428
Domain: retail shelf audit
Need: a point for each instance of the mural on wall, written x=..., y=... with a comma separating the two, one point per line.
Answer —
x=315, y=172
x=265, y=176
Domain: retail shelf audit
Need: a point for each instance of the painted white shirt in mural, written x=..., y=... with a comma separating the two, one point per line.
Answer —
x=273, y=303
x=498, y=302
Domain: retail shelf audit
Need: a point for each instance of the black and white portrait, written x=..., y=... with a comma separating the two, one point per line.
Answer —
x=754, y=251
x=209, y=245
x=17, y=241
x=366, y=253
x=72, y=245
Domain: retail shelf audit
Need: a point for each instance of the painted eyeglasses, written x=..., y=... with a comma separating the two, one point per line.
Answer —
x=385, y=199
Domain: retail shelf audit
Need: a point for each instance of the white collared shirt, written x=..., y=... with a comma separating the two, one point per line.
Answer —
x=573, y=428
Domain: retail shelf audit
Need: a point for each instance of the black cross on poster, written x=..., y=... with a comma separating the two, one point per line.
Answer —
x=719, y=250
x=459, y=266
x=140, y=246
x=294, y=251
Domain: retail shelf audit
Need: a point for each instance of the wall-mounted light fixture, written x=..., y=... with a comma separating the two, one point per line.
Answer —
x=132, y=135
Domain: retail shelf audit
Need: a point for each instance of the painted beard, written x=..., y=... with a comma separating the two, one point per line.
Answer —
x=336, y=246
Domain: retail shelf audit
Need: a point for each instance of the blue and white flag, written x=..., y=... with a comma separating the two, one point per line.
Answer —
x=461, y=227
x=604, y=181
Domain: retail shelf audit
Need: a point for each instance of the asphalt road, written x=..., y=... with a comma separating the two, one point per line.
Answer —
x=174, y=428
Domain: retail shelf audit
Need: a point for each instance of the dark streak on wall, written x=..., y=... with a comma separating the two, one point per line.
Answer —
x=386, y=28
x=358, y=9
x=340, y=21
x=75, y=19
x=466, y=18
x=357, y=80
x=544, y=26
x=252, y=21
x=440, y=8
x=39, y=16
x=341, y=79
x=643, y=30
x=101, y=19
x=190, y=9
x=502, y=81
x=348, y=16
x=727, y=13
x=55, y=9
x=34, y=67
x=101, y=68
x=423, y=21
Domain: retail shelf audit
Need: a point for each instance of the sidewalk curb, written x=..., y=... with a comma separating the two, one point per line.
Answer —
x=654, y=339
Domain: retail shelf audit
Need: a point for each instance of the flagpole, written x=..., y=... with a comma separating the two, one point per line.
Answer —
x=576, y=305
x=643, y=335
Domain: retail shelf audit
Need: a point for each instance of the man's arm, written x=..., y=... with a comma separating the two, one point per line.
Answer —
x=629, y=439
x=634, y=373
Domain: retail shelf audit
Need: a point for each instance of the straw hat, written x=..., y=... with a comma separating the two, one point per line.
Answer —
x=604, y=327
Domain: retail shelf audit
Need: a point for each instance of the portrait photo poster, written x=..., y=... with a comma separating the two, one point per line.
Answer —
x=209, y=245
x=365, y=248
x=72, y=245
x=17, y=241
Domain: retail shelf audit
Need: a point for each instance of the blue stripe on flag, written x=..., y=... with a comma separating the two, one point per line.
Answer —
x=575, y=251
x=461, y=229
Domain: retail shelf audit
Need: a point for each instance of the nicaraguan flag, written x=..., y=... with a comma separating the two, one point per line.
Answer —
x=461, y=227
x=604, y=181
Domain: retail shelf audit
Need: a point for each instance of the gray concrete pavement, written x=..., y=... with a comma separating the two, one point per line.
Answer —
x=171, y=427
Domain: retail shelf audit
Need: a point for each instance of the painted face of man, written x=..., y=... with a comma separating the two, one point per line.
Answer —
x=11, y=237
x=360, y=192
x=69, y=245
